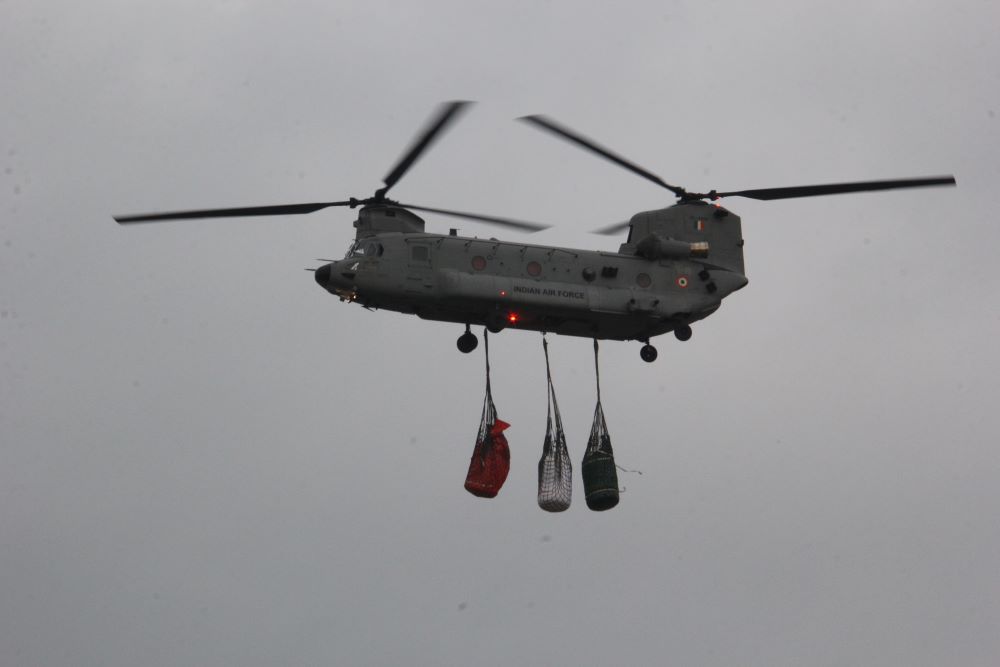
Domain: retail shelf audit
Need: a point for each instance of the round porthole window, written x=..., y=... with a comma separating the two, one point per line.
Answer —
x=643, y=280
x=534, y=269
x=479, y=262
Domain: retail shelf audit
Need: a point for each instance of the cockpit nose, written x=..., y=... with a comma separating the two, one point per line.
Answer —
x=323, y=275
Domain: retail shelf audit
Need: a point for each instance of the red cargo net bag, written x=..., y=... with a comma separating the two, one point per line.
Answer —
x=555, y=471
x=600, y=476
x=491, y=458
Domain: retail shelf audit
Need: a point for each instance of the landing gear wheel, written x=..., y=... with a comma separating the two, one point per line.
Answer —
x=467, y=342
x=683, y=332
x=648, y=353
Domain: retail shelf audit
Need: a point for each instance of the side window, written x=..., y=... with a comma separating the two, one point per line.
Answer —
x=419, y=253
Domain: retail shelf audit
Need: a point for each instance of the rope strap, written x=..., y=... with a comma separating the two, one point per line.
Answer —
x=597, y=369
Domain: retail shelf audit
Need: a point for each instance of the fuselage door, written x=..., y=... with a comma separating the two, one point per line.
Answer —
x=419, y=275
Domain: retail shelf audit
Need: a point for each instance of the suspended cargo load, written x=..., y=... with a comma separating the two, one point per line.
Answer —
x=555, y=471
x=490, y=462
x=491, y=457
x=600, y=474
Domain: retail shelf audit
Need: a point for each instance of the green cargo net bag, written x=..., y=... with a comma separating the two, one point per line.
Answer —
x=600, y=478
x=555, y=470
x=491, y=457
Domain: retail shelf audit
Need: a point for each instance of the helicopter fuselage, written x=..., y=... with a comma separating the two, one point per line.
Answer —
x=500, y=284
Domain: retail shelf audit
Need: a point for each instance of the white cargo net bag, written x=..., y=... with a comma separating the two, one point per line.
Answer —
x=555, y=471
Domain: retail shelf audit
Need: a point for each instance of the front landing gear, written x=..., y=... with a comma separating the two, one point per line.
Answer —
x=648, y=353
x=467, y=342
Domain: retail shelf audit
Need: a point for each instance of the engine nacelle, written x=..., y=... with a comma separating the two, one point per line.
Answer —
x=655, y=247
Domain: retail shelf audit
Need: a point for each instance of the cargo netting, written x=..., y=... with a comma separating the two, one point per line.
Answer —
x=491, y=457
x=555, y=471
x=600, y=477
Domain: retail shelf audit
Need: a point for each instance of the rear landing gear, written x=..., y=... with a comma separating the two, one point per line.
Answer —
x=467, y=342
x=648, y=353
x=683, y=332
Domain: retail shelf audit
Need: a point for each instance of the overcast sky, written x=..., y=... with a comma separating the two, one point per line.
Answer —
x=206, y=459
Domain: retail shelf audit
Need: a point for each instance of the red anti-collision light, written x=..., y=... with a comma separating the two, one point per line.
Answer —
x=512, y=318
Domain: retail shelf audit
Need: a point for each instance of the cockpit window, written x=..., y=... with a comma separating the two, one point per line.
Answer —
x=365, y=249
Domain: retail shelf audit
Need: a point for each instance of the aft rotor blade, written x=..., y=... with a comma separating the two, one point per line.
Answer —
x=835, y=188
x=611, y=230
x=434, y=128
x=288, y=209
x=551, y=126
x=493, y=220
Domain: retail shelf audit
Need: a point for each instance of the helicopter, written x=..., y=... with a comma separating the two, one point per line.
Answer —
x=675, y=267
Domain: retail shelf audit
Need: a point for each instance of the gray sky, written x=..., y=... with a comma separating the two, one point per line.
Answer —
x=208, y=460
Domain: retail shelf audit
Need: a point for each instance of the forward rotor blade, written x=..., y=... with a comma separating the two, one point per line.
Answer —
x=434, y=128
x=503, y=222
x=836, y=188
x=611, y=230
x=551, y=126
x=288, y=209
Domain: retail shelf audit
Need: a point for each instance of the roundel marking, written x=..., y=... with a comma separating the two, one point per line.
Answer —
x=479, y=262
x=682, y=281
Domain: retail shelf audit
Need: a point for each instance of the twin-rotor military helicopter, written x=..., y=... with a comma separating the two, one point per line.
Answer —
x=674, y=268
